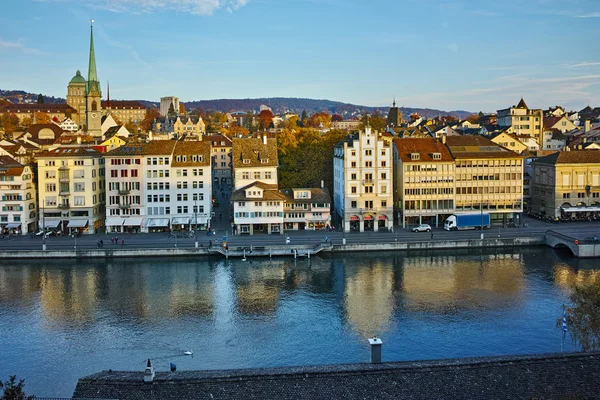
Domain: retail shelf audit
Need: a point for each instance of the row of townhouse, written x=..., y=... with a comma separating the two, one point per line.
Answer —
x=18, y=212
x=423, y=180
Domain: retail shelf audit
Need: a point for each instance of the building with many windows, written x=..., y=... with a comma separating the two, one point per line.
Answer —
x=488, y=178
x=221, y=158
x=522, y=120
x=306, y=209
x=18, y=212
x=566, y=184
x=71, y=189
x=168, y=186
x=423, y=181
x=363, y=195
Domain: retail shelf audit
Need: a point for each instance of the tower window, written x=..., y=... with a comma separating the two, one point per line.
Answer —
x=94, y=106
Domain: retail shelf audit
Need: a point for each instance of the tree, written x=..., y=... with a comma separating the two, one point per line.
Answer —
x=40, y=99
x=215, y=121
x=319, y=120
x=303, y=118
x=151, y=115
x=236, y=130
x=583, y=317
x=377, y=122
x=13, y=390
x=474, y=119
x=42, y=118
x=171, y=111
x=131, y=127
x=336, y=118
x=265, y=119
x=26, y=122
x=9, y=122
x=249, y=122
x=181, y=108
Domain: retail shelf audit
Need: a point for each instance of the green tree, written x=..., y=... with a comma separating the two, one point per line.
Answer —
x=131, y=127
x=303, y=118
x=171, y=112
x=377, y=122
x=13, y=390
x=583, y=317
x=40, y=99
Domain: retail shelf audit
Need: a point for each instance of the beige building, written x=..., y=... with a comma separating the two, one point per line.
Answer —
x=488, y=178
x=566, y=184
x=125, y=110
x=423, y=181
x=510, y=141
x=71, y=189
x=362, y=176
x=523, y=120
x=306, y=209
x=221, y=158
x=18, y=212
x=60, y=111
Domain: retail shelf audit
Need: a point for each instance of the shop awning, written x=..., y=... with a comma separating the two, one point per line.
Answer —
x=78, y=223
x=133, y=221
x=180, y=221
x=581, y=209
x=158, y=223
x=50, y=224
x=354, y=218
x=112, y=221
x=13, y=225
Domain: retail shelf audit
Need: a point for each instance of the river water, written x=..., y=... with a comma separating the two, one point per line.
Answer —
x=61, y=320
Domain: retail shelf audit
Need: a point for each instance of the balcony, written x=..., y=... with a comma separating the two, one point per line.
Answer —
x=64, y=180
x=63, y=168
x=368, y=182
x=64, y=193
x=124, y=206
x=64, y=206
x=124, y=192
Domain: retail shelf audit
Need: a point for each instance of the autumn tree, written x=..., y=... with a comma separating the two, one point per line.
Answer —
x=215, y=120
x=290, y=123
x=265, y=119
x=319, y=120
x=474, y=119
x=9, y=123
x=336, y=118
x=42, y=118
x=4, y=103
x=26, y=122
x=151, y=115
x=377, y=122
x=583, y=317
x=13, y=390
x=181, y=108
x=131, y=127
x=236, y=130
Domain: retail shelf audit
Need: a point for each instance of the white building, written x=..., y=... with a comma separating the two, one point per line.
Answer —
x=71, y=189
x=159, y=186
x=307, y=209
x=68, y=124
x=166, y=102
x=362, y=168
x=17, y=197
x=257, y=204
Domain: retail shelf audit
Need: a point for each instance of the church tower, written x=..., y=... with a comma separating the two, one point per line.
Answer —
x=76, y=98
x=394, y=119
x=93, y=94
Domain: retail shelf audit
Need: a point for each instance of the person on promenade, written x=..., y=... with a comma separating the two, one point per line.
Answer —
x=101, y=243
x=210, y=244
x=122, y=242
x=432, y=235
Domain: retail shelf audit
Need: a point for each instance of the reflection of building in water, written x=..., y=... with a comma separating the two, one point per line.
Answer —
x=258, y=288
x=568, y=277
x=369, y=297
x=192, y=292
x=68, y=294
x=19, y=284
x=440, y=284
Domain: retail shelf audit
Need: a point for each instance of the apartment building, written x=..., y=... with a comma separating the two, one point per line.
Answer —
x=71, y=189
x=257, y=203
x=566, y=184
x=17, y=197
x=522, y=120
x=362, y=173
x=488, y=178
x=168, y=186
x=221, y=158
x=423, y=181
x=307, y=209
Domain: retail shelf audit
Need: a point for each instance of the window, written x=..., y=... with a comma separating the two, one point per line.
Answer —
x=353, y=204
x=353, y=177
x=415, y=156
x=267, y=175
x=368, y=189
x=123, y=173
x=369, y=164
x=383, y=164
x=245, y=175
x=50, y=174
x=353, y=190
x=115, y=174
x=383, y=203
x=368, y=152
x=257, y=175
x=383, y=176
x=79, y=187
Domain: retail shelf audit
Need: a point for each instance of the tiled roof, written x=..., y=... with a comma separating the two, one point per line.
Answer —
x=123, y=105
x=112, y=131
x=552, y=376
x=522, y=104
x=153, y=148
x=45, y=108
x=469, y=146
x=270, y=192
x=70, y=152
x=217, y=139
x=10, y=167
x=549, y=122
x=317, y=195
x=425, y=147
x=189, y=149
x=255, y=152
x=571, y=157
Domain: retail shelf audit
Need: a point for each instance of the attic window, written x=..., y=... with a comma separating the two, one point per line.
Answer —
x=264, y=161
x=436, y=156
x=246, y=161
x=415, y=156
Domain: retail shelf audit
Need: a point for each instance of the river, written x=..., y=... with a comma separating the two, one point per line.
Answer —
x=61, y=320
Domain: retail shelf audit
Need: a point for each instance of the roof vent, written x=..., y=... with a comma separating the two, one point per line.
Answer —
x=149, y=373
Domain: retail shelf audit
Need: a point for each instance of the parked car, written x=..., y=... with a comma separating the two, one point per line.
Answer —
x=422, y=228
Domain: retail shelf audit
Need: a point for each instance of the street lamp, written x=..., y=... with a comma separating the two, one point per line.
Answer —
x=43, y=229
x=481, y=210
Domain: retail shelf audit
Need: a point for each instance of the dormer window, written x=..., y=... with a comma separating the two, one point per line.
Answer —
x=246, y=161
x=415, y=156
x=436, y=156
x=264, y=161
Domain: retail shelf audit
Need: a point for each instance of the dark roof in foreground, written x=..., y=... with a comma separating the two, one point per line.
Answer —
x=550, y=376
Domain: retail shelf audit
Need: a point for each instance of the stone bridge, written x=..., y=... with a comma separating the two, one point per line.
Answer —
x=581, y=248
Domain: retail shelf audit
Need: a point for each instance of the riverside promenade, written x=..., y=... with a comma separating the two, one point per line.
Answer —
x=301, y=243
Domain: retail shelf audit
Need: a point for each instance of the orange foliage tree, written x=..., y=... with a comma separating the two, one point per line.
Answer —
x=265, y=119
x=151, y=115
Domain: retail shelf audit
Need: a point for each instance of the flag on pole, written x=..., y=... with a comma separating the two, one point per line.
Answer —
x=564, y=321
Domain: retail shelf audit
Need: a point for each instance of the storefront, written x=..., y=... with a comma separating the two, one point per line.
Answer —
x=77, y=226
x=50, y=225
x=14, y=228
x=158, y=225
x=180, y=223
x=354, y=223
x=132, y=224
x=369, y=223
x=114, y=224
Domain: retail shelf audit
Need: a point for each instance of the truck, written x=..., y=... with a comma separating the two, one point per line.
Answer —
x=459, y=222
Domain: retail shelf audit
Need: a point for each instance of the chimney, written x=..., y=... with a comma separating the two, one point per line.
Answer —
x=586, y=126
x=322, y=183
x=265, y=139
x=443, y=139
x=375, y=350
x=149, y=373
x=78, y=139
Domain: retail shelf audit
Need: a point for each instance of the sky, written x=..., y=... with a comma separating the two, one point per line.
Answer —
x=474, y=55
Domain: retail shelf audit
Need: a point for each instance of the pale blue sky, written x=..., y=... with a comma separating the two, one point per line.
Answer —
x=464, y=54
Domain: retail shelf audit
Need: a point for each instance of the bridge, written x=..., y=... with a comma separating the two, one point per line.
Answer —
x=580, y=247
x=270, y=251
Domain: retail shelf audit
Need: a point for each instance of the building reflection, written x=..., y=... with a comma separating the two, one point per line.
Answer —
x=257, y=287
x=567, y=277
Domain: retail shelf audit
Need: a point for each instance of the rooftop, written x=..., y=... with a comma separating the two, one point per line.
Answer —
x=255, y=152
x=571, y=157
x=425, y=147
x=469, y=146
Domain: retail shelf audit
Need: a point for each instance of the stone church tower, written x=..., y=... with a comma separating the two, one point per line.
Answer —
x=93, y=94
x=76, y=98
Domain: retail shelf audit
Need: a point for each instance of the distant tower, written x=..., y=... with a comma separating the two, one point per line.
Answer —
x=76, y=97
x=93, y=93
x=394, y=118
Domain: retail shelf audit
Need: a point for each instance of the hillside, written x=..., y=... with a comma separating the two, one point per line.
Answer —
x=279, y=105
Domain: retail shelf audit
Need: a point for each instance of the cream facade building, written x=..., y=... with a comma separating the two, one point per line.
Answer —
x=423, y=181
x=71, y=189
x=566, y=184
x=18, y=212
x=510, y=141
x=488, y=178
x=221, y=158
x=306, y=209
x=362, y=176
x=524, y=121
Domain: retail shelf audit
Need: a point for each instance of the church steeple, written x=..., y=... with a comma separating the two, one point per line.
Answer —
x=92, y=82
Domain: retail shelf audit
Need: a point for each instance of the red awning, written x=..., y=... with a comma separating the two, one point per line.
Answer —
x=354, y=218
x=368, y=218
x=382, y=217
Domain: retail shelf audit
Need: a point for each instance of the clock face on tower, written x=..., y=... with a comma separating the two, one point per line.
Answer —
x=93, y=115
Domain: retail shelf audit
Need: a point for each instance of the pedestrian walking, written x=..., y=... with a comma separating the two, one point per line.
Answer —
x=431, y=235
x=122, y=242
x=210, y=244
x=97, y=244
x=101, y=243
x=326, y=239
x=116, y=240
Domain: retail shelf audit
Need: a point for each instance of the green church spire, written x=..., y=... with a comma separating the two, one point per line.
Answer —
x=93, y=85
